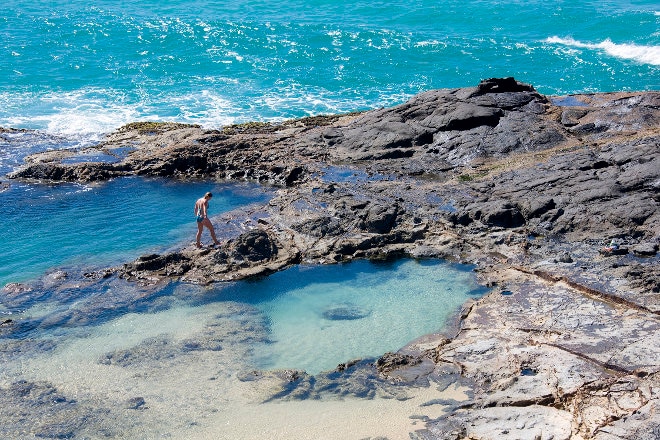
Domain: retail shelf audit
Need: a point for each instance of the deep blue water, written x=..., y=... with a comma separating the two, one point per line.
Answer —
x=46, y=226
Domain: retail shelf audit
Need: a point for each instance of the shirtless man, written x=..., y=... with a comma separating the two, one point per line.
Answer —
x=201, y=211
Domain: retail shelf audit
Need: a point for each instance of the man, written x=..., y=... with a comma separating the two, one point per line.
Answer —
x=201, y=211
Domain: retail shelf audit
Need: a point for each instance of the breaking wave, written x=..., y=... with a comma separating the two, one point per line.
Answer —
x=638, y=53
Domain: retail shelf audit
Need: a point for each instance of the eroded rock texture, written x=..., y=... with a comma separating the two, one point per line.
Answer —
x=531, y=191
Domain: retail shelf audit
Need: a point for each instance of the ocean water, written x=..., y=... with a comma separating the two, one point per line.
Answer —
x=79, y=68
x=72, y=71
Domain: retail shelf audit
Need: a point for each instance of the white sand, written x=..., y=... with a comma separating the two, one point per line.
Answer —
x=198, y=395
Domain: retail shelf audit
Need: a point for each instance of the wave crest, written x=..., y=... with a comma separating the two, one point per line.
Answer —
x=639, y=53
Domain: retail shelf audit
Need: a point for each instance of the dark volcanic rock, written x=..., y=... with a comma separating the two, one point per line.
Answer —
x=464, y=116
x=497, y=175
x=646, y=249
x=253, y=246
x=379, y=218
x=502, y=85
x=455, y=126
x=319, y=227
x=392, y=361
x=501, y=213
x=155, y=262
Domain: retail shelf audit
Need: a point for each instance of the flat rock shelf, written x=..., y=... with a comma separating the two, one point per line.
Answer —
x=553, y=199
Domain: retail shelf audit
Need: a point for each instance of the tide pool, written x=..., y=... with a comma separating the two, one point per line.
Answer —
x=176, y=371
x=321, y=316
x=95, y=225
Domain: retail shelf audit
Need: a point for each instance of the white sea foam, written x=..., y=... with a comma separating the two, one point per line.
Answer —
x=87, y=120
x=206, y=108
x=639, y=53
x=86, y=113
x=431, y=43
x=277, y=104
x=91, y=114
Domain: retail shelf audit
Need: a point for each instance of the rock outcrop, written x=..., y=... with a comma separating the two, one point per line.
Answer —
x=526, y=187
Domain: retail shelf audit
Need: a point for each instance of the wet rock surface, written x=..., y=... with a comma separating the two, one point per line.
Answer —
x=566, y=345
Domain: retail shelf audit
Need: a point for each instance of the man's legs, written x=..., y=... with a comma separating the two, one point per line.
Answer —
x=206, y=222
x=200, y=228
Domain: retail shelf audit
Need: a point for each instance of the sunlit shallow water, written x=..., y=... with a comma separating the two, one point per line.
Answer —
x=78, y=71
x=182, y=363
x=323, y=315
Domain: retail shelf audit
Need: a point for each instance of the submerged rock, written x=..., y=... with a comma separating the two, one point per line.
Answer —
x=345, y=312
x=135, y=403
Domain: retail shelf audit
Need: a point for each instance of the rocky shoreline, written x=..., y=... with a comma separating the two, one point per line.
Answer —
x=531, y=189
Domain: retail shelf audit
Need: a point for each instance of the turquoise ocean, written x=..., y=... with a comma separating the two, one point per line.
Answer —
x=83, y=68
x=72, y=71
